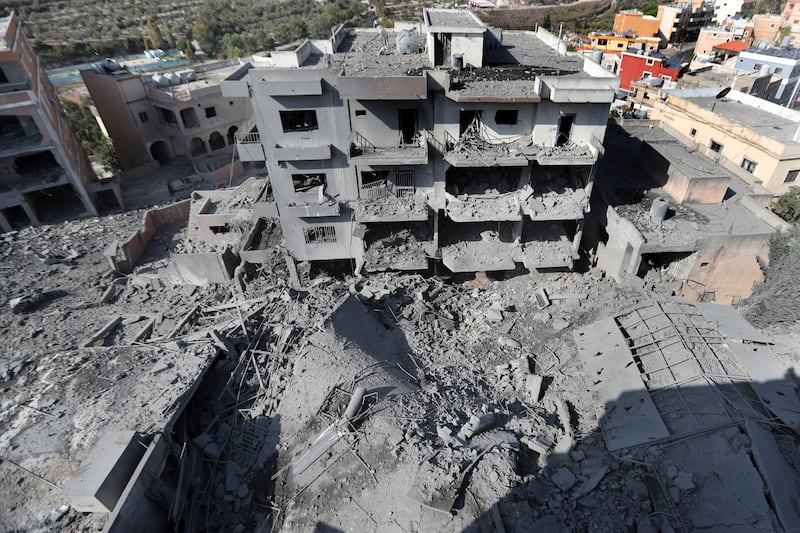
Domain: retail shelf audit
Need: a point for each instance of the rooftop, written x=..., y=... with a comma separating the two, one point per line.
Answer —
x=368, y=52
x=760, y=116
x=453, y=19
x=732, y=46
x=786, y=52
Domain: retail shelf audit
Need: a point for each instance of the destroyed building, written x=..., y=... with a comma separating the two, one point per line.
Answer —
x=679, y=221
x=443, y=143
x=44, y=172
x=161, y=117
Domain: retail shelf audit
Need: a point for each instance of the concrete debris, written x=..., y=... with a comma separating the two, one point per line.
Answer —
x=535, y=402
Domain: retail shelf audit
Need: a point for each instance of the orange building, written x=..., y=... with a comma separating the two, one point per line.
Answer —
x=637, y=22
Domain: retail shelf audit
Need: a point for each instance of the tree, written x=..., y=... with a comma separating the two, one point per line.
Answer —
x=788, y=205
x=650, y=9
x=94, y=142
x=546, y=22
x=777, y=299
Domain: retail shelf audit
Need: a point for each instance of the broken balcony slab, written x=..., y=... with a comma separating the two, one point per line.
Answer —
x=716, y=488
x=547, y=203
x=487, y=156
x=624, y=408
x=390, y=208
x=103, y=475
x=548, y=254
x=568, y=154
x=414, y=153
x=484, y=207
x=406, y=249
x=476, y=256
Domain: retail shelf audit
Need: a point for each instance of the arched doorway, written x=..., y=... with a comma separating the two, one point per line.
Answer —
x=197, y=147
x=161, y=152
x=216, y=141
x=232, y=134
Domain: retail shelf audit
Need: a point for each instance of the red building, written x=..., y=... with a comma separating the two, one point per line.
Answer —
x=637, y=66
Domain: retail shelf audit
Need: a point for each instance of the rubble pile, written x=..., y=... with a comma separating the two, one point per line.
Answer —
x=389, y=402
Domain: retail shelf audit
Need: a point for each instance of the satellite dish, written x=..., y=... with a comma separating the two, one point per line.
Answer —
x=723, y=93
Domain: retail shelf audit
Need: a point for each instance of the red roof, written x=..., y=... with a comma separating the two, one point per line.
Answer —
x=732, y=46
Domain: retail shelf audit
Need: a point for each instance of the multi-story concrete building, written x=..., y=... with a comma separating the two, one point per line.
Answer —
x=782, y=62
x=766, y=28
x=791, y=13
x=447, y=143
x=708, y=38
x=44, y=172
x=161, y=117
x=681, y=23
x=638, y=66
x=725, y=9
x=758, y=141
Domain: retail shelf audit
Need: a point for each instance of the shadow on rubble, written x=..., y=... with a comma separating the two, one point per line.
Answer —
x=680, y=458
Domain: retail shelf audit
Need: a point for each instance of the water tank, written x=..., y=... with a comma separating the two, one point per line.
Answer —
x=407, y=42
x=160, y=80
x=658, y=211
x=173, y=78
x=597, y=56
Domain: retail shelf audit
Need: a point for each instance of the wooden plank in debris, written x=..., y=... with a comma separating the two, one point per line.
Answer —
x=624, y=407
x=183, y=322
x=103, y=332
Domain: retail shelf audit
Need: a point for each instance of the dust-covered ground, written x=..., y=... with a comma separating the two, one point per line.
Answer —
x=475, y=414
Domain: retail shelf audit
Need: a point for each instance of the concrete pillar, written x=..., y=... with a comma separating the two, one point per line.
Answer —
x=5, y=225
x=86, y=200
x=30, y=212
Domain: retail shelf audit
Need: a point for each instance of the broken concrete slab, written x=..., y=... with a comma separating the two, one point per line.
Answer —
x=102, y=477
x=624, y=407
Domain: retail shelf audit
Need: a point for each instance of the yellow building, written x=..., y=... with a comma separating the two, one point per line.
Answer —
x=621, y=43
x=757, y=140
x=766, y=27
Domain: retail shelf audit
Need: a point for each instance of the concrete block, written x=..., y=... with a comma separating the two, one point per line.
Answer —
x=102, y=477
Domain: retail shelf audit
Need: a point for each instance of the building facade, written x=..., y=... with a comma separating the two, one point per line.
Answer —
x=636, y=22
x=617, y=43
x=681, y=23
x=725, y=9
x=638, y=66
x=791, y=13
x=710, y=37
x=162, y=117
x=757, y=140
x=44, y=172
x=782, y=62
x=447, y=143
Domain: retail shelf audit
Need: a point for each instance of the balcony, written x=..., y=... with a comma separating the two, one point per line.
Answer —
x=405, y=152
x=18, y=143
x=389, y=197
x=477, y=148
x=555, y=199
x=569, y=153
x=248, y=143
x=389, y=247
x=309, y=152
x=549, y=245
x=479, y=246
x=14, y=87
x=483, y=207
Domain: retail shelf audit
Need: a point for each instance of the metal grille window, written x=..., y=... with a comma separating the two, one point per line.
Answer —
x=791, y=177
x=749, y=166
x=404, y=183
x=320, y=235
x=715, y=146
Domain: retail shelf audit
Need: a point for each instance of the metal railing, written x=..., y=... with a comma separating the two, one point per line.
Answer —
x=375, y=190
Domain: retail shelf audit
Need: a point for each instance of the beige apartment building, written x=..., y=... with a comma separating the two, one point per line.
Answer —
x=44, y=172
x=162, y=117
x=757, y=140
